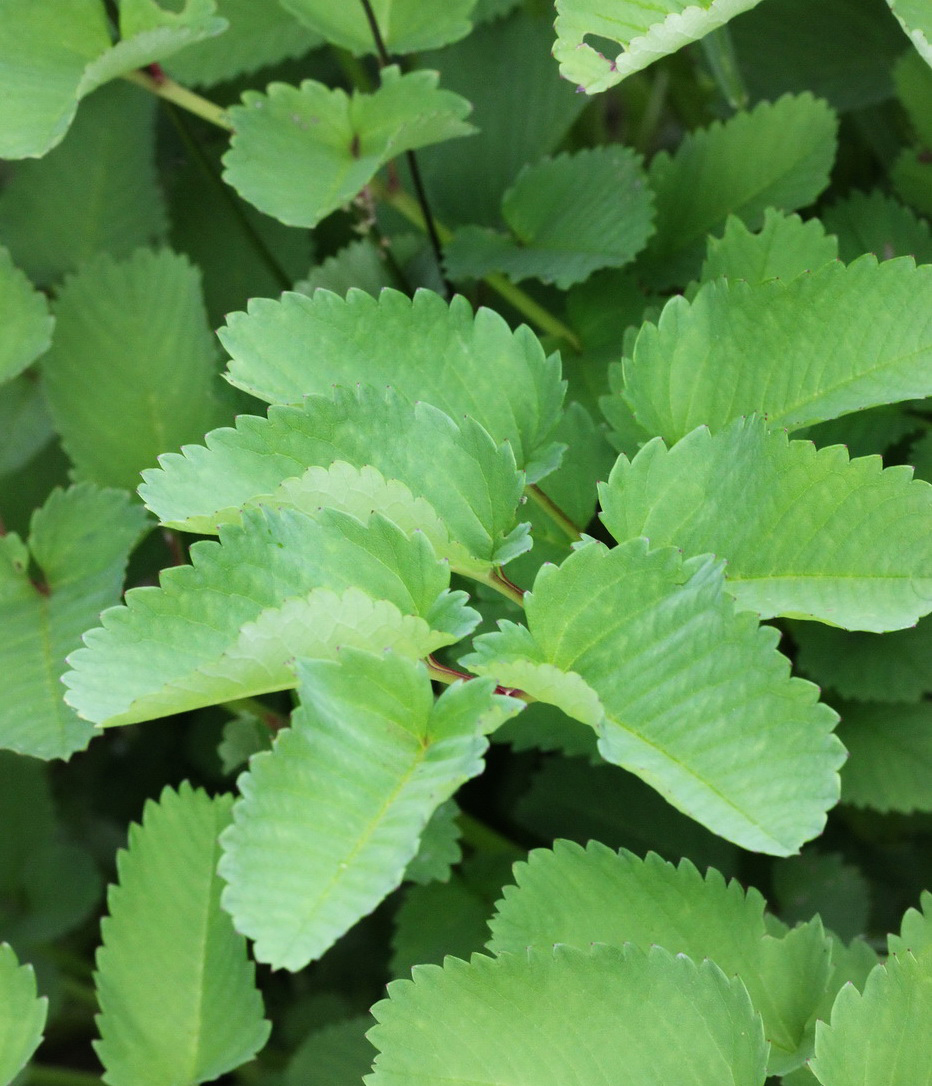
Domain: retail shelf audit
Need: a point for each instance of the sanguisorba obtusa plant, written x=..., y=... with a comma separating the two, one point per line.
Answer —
x=575, y=425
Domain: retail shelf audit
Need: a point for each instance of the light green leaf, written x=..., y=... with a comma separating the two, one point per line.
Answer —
x=644, y=32
x=472, y=503
x=564, y=1015
x=362, y=264
x=877, y=223
x=438, y=849
x=819, y=346
x=24, y=319
x=176, y=990
x=22, y=1015
x=337, y=1055
x=406, y=26
x=131, y=371
x=243, y=736
x=463, y=363
x=693, y=697
x=916, y=19
x=281, y=586
x=777, y=155
x=916, y=931
x=882, y=1036
x=580, y=896
x=783, y=248
x=97, y=191
x=299, y=153
x=806, y=532
x=890, y=763
x=369, y=756
x=568, y=216
x=79, y=542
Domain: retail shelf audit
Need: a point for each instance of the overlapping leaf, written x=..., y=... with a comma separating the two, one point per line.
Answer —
x=806, y=533
x=465, y=364
x=25, y=425
x=299, y=153
x=777, y=155
x=24, y=318
x=914, y=17
x=783, y=248
x=890, y=763
x=565, y=1015
x=579, y=896
x=819, y=346
x=405, y=26
x=331, y=817
x=176, y=988
x=643, y=32
x=22, y=1015
x=915, y=935
x=876, y=223
x=79, y=542
x=471, y=503
x=337, y=1055
x=280, y=586
x=568, y=216
x=684, y=692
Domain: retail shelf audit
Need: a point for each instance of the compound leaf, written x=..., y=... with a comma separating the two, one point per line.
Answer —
x=22, y=1015
x=24, y=318
x=683, y=691
x=914, y=17
x=280, y=585
x=783, y=248
x=566, y=1015
x=890, y=763
x=806, y=532
x=581, y=896
x=463, y=363
x=644, y=32
x=472, y=501
x=79, y=542
x=777, y=155
x=822, y=345
x=568, y=216
x=131, y=370
x=299, y=153
x=330, y=818
x=406, y=26
x=176, y=989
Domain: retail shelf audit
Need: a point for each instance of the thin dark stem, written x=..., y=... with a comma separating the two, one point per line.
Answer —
x=381, y=51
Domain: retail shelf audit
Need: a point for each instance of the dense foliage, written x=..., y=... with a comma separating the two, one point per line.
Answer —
x=557, y=642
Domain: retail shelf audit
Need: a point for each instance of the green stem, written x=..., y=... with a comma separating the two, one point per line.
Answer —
x=553, y=511
x=652, y=110
x=274, y=721
x=181, y=96
x=483, y=838
x=81, y=994
x=497, y=580
x=442, y=674
x=40, y=1074
x=720, y=53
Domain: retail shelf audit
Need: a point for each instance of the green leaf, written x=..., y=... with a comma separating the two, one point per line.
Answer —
x=580, y=896
x=913, y=79
x=426, y=349
x=436, y=920
x=96, y=192
x=79, y=543
x=282, y=585
x=117, y=407
x=405, y=26
x=896, y=667
x=177, y=992
x=914, y=17
x=806, y=532
x=890, y=763
x=25, y=425
x=24, y=317
x=337, y=1055
x=369, y=756
x=27, y=812
x=881, y=1036
x=916, y=931
x=472, y=503
x=873, y=431
x=643, y=32
x=684, y=692
x=243, y=736
x=439, y=847
x=799, y=352
x=911, y=176
x=361, y=264
x=22, y=1015
x=876, y=223
x=568, y=216
x=564, y=1015
x=60, y=888
x=299, y=153
x=823, y=883
x=783, y=248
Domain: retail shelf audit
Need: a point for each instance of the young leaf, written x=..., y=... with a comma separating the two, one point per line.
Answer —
x=472, y=501
x=428, y=350
x=822, y=345
x=783, y=248
x=177, y=992
x=131, y=370
x=806, y=532
x=299, y=153
x=281, y=586
x=79, y=542
x=876, y=223
x=22, y=1015
x=24, y=318
x=883, y=1035
x=643, y=32
x=565, y=1015
x=369, y=757
x=890, y=763
x=568, y=216
x=916, y=931
x=406, y=26
x=914, y=17
x=580, y=896
x=778, y=155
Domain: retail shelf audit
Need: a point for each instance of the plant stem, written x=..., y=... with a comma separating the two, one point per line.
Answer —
x=442, y=674
x=181, y=96
x=497, y=580
x=553, y=511
x=273, y=721
x=483, y=838
x=40, y=1074
x=720, y=53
